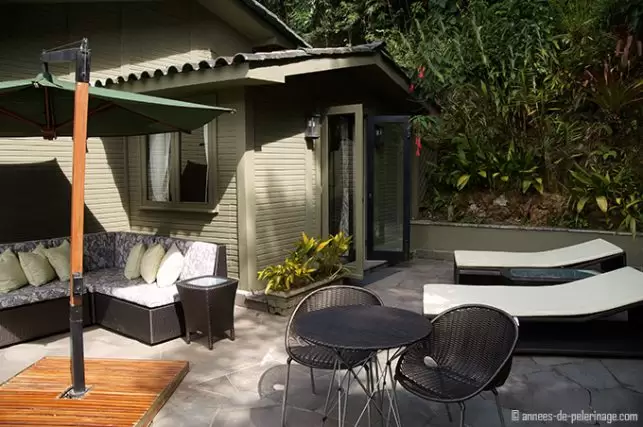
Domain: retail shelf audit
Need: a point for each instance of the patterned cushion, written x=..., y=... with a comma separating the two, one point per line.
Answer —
x=31, y=294
x=112, y=282
x=124, y=242
x=105, y=255
x=200, y=260
x=200, y=257
x=98, y=249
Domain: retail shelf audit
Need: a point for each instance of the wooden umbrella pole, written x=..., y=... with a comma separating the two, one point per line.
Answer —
x=77, y=286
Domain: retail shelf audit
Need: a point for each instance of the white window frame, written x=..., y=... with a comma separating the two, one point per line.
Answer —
x=211, y=206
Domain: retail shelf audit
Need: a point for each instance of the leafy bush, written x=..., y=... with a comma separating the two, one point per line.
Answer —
x=546, y=98
x=526, y=91
x=312, y=260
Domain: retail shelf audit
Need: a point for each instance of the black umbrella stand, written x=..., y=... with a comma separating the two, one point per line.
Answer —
x=81, y=56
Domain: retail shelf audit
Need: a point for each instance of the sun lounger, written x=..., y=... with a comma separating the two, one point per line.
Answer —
x=568, y=318
x=485, y=267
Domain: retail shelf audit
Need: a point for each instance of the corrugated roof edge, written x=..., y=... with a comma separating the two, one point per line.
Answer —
x=275, y=56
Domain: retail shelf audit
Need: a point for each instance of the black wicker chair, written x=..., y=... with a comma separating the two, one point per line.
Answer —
x=469, y=351
x=318, y=357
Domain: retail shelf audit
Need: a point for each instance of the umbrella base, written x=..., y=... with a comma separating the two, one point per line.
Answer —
x=71, y=394
x=122, y=392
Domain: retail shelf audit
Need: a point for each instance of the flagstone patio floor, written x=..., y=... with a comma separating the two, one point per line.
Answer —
x=239, y=383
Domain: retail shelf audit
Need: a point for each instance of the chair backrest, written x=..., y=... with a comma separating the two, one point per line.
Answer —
x=330, y=296
x=473, y=340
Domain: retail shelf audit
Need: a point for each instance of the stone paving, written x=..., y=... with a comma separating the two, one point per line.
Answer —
x=240, y=383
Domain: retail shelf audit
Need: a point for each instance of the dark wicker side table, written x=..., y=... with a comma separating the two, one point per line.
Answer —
x=208, y=306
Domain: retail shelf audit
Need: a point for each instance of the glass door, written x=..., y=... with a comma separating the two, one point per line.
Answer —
x=342, y=181
x=388, y=189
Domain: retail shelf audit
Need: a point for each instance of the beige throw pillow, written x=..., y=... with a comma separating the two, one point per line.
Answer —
x=36, y=267
x=58, y=257
x=11, y=275
x=151, y=262
x=133, y=264
x=170, y=268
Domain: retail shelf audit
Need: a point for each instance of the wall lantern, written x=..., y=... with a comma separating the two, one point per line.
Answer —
x=313, y=126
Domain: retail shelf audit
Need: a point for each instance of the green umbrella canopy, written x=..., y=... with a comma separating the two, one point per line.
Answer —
x=44, y=106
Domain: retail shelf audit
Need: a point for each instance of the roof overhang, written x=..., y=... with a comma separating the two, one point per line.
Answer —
x=255, y=74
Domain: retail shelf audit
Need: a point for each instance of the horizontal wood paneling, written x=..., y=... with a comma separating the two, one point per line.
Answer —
x=125, y=37
x=283, y=199
x=36, y=175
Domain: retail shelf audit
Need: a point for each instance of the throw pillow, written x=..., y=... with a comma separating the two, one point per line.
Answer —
x=133, y=264
x=170, y=269
x=151, y=262
x=11, y=275
x=36, y=267
x=58, y=257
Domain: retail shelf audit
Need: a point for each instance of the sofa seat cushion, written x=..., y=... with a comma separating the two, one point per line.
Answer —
x=32, y=294
x=112, y=282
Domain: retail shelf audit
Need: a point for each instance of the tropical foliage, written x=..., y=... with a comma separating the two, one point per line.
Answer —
x=312, y=260
x=541, y=101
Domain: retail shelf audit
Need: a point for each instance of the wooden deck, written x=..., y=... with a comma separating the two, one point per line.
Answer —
x=122, y=393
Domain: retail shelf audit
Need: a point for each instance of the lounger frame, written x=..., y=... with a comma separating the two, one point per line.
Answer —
x=493, y=275
x=597, y=334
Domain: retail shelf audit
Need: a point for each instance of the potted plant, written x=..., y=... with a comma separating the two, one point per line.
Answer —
x=312, y=264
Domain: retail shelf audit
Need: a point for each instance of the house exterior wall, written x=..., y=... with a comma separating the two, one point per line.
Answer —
x=286, y=165
x=285, y=174
x=220, y=227
x=125, y=37
x=40, y=201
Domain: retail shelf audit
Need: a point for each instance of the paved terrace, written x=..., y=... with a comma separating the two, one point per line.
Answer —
x=240, y=383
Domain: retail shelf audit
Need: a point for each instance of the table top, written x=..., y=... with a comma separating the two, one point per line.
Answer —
x=362, y=327
x=205, y=281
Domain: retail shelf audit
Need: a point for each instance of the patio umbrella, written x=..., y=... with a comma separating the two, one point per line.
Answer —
x=49, y=107
x=44, y=106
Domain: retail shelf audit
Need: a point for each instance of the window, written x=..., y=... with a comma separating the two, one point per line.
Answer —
x=179, y=170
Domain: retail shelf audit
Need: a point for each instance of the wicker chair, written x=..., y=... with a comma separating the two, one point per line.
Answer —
x=468, y=352
x=318, y=357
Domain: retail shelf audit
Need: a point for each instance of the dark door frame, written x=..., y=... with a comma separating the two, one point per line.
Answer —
x=390, y=256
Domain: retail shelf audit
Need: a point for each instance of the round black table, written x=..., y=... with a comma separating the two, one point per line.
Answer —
x=366, y=328
x=362, y=327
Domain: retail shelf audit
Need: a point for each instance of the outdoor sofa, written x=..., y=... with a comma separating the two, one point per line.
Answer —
x=486, y=267
x=133, y=308
x=583, y=317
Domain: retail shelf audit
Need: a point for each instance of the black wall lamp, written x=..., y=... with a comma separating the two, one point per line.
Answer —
x=313, y=126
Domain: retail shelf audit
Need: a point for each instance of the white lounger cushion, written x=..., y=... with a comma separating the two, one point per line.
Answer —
x=560, y=257
x=601, y=293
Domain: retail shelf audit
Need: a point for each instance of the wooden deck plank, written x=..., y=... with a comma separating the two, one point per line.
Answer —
x=123, y=393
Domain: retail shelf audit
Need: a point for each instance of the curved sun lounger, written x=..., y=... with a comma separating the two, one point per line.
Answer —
x=485, y=267
x=564, y=317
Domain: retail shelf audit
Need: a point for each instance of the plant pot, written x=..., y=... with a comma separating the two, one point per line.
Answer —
x=284, y=302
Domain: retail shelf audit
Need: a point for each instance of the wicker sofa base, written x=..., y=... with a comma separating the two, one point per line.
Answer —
x=26, y=322
x=148, y=325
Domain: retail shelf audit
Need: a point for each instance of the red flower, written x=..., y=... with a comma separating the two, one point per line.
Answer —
x=411, y=87
x=421, y=71
x=418, y=145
